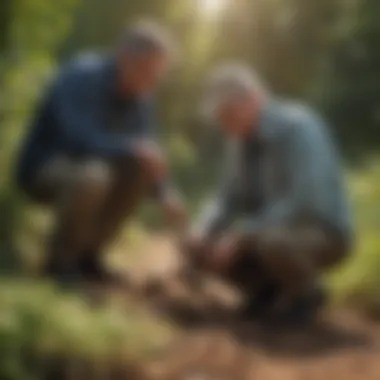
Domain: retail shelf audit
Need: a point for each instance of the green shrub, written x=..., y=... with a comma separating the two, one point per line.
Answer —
x=38, y=322
x=358, y=282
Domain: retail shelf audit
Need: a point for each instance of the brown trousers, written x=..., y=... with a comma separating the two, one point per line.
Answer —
x=92, y=198
x=290, y=257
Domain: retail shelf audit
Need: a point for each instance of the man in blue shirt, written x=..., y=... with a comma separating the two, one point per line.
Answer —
x=91, y=150
x=281, y=216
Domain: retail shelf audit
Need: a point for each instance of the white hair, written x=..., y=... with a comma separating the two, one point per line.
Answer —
x=228, y=82
x=145, y=36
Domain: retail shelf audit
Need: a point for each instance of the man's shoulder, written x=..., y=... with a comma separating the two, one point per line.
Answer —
x=86, y=63
x=307, y=127
x=301, y=118
x=297, y=112
x=82, y=69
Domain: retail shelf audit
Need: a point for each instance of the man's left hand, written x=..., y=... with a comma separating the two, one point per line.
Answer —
x=175, y=211
x=224, y=252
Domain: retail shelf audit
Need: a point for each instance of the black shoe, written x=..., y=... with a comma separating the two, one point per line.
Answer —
x=62, y=274
x=302, y=312
x=93, y=270
x=91, y=266
x=258, y=306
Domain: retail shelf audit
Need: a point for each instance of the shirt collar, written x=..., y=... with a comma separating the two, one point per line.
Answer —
x=268, y=125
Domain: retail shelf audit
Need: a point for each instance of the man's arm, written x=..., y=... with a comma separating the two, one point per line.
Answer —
x=219, y=212
x=163, y=188
x=78, y=110
x=307, y=152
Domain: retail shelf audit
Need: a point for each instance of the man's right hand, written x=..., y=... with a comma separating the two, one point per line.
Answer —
x=195, y=247
x=214, y=254
x=152, y=160
x=223, y=252
x=195, y=240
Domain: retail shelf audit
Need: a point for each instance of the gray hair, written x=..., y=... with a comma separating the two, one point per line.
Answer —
x=228, y=82
x=148, y=36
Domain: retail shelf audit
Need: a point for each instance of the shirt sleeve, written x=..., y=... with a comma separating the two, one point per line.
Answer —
x=220, y=210
x=306, y=153
x=164, y=188
x=78, y=105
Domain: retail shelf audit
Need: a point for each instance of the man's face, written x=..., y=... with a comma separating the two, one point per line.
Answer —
x=141, y=73
x=236, y=117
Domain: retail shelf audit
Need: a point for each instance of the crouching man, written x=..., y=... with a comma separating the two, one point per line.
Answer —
x=280, y=218
x=91, y=154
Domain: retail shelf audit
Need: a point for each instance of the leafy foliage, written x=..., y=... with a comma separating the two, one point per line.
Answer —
x=351, y=85
x=358, y=282
x=38, y=322
x=33, y=30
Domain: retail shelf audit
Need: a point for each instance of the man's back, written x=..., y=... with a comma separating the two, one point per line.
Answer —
x=297, y=171
x=315, y=169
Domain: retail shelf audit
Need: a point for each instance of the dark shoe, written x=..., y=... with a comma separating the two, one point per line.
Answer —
x=302, y=312
x=258, y=306
x=91, y=266
x=93, y=270
x=64, y=275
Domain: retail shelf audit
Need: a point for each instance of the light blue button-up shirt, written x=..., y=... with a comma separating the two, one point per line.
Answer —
x=297, y=172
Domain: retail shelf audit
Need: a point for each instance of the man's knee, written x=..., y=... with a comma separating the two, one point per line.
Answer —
x=132, y=180
x=281, y=255
x=273, y=243
x=336, y=253
x=93, y=176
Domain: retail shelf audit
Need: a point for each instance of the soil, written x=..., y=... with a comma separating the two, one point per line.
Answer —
x=213, y=345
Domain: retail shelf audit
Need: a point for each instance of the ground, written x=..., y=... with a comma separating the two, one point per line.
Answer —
x=213, y=346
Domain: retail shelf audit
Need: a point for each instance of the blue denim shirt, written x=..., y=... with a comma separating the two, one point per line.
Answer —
x=83, y=115
x=297, y=174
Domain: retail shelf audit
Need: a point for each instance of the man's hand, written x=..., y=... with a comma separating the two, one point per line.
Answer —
x=195, y=246
x=195, y=242
x=215, y=255
x=223, y=253
x=175, y=211
x=152, y=160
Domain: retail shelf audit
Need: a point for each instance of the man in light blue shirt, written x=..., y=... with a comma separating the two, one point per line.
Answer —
x=281, y=216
